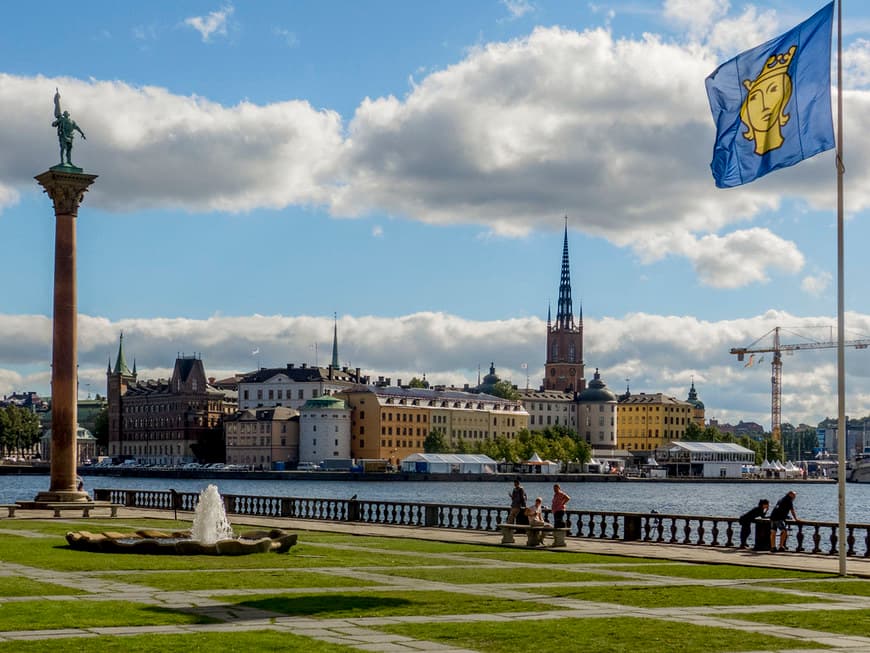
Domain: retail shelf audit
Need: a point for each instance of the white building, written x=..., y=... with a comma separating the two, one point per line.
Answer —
x=549, y=408
x=705, y=459
x=292, y=386
x=597, y=414
x=324, y=429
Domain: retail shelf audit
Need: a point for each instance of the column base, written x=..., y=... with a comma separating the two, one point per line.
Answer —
x=62, y=496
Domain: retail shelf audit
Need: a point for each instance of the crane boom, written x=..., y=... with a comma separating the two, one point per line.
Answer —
x=776, y=367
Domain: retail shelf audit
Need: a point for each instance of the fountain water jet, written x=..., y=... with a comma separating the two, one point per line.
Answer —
x=210, y=522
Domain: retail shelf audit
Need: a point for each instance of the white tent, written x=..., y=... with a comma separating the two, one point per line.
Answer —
x=449, y=463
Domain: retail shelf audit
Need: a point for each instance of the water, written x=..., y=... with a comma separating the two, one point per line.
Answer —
x=210, y=518
x=815, y=501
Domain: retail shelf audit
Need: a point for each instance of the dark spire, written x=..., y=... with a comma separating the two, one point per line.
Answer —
x=549, y=316
x=134, y=367
x=565, y=313
x=120, y=363
x=335, y=341
x=109, y=366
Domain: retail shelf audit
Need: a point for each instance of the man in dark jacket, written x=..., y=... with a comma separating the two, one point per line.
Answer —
x=778, y=516
x=518, y=502
x=748, y=518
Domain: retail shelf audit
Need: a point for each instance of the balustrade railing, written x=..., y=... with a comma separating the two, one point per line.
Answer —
x=691, y=530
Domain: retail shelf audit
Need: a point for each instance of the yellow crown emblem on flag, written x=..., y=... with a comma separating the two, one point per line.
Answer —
x=776, y=64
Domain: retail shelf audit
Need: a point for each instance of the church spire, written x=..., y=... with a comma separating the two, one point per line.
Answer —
x=335, y=341
x=121, y=363
x=565, y=312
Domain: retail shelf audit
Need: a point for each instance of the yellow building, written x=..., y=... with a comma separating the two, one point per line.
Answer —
x=646, y=421
x=392, y=423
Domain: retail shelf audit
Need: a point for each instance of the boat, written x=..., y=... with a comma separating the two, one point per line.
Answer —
x=858, y=468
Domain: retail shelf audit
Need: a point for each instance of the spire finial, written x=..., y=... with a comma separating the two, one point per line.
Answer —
x=121, y=363
x=565, y=312
x=335, y=341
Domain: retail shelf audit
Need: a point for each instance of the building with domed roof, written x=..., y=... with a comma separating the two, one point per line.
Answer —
x=324, y=429
x=597, y=414
x=698, y=406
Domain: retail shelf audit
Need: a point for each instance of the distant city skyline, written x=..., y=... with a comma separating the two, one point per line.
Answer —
x=264, y=166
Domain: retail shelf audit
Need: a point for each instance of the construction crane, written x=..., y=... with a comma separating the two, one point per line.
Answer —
x=776, y=367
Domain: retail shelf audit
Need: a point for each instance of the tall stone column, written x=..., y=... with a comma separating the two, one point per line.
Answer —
x=66, y=185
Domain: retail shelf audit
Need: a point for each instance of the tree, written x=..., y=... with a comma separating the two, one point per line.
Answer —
x=435, y=442
x=505, y=390
x=101, y=428
x=418, y=383
x=694, y=433
x=19, y=429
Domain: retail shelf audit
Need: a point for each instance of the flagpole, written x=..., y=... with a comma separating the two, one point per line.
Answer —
x=841, y=357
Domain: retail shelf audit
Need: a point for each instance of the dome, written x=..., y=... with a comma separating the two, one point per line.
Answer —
x=324, y=402
x=596, y=391
x=693, y=398
x=489, y=381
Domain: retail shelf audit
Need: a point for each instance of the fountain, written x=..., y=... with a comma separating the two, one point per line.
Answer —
x=211, y=534
x=210, y=518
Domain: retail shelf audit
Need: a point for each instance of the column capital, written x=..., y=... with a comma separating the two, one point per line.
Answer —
x=66, y=189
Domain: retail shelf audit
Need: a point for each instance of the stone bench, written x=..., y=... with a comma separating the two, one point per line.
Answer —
x=11, y=507
x=86, y=508
x=534, y=534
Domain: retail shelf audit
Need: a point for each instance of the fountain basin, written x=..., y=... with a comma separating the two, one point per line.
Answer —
x=151, y=542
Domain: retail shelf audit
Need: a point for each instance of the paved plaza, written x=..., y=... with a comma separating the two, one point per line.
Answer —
x=363, y=633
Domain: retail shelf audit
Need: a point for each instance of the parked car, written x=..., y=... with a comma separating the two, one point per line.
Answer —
x=307, y=467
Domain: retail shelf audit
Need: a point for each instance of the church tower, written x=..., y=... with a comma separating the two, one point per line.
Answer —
x=564, y=367
x=117, y=382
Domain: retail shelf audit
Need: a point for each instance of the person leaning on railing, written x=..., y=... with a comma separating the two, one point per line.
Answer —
x=748, y=518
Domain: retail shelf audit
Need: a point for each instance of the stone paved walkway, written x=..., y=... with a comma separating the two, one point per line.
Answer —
x=360, y=633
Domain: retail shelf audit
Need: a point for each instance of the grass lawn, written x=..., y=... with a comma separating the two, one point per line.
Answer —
x=44, y=615
x=610, y=635
x=374, y=603
x=554, y=557
x=221, y=580
x=15, y=586
x=56, y=554
x=721, y=571
x=473, y=575
x=395, y=543
x=836, y=585
x=243, y=642
x=844, y=622
x=674, y=597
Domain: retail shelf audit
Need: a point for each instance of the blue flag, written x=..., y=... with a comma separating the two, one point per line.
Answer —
x=772, y=104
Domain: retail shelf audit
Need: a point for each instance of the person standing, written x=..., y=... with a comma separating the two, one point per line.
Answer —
x=559, y=503
x=778, y=516
x=748, y=518
x=518, y=501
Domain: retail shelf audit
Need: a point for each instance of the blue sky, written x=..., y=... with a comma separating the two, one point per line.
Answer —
x=407, y=166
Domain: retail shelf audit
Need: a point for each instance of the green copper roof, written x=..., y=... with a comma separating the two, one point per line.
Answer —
x=121, y=364
x=325, y=402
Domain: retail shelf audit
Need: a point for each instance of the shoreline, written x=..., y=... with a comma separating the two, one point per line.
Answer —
x=272, y=475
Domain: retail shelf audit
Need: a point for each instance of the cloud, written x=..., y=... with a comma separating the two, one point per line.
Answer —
x=378, y=231
x=515, y=133
x=518, y=8
x=213, y=23
x=696, y=15
x=856, y=65
x=658, y=353
x=166, y=150
x=816, y=285
x=287, y=36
